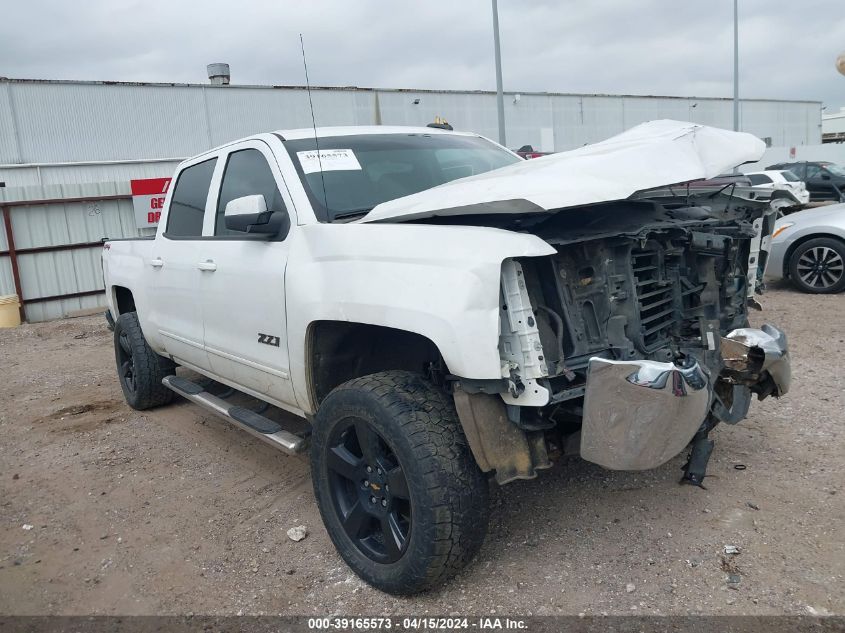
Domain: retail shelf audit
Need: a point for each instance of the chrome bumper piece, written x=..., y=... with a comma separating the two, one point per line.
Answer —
x=639, y=414
x=758, y=359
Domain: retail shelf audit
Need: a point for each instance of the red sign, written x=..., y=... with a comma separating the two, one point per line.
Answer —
x=148, y=200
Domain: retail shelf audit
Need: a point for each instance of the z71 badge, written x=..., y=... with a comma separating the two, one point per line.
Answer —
x=268, y=339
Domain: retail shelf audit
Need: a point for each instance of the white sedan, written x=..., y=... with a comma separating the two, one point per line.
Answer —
x=780, y=179
x=808, y=248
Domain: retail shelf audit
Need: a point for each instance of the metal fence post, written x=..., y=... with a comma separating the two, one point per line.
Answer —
x=13, y=258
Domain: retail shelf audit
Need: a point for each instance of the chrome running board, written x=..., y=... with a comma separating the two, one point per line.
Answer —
x=249, y=421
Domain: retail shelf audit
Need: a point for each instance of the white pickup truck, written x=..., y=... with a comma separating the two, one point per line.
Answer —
x=440, y=312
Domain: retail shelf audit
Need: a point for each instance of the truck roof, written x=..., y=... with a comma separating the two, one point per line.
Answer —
x=350, y=130
x=322, y=132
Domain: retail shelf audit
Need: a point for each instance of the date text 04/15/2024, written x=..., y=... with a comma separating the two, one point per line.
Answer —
x=410, y=623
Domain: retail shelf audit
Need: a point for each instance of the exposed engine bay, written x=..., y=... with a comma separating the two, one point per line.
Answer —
x=644, y=297
x=653, y=282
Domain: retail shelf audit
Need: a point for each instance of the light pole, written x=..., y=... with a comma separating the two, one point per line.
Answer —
x=736, y=66
x=500, y=98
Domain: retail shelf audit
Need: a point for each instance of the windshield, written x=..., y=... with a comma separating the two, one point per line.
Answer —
x=836, y=170
x=359, y=172
x=788, y=176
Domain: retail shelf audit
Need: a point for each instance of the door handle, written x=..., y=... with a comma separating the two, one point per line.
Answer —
x=158, y=262
x=207, y=265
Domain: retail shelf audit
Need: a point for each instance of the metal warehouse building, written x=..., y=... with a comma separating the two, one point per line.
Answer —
x=68, y=150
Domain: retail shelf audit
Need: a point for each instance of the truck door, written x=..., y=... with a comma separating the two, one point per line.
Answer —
x=243, y=286
x=175, y=306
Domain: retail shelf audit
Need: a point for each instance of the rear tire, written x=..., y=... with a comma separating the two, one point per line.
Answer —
x=400, y=494
x=818, y=266
x=139, y=369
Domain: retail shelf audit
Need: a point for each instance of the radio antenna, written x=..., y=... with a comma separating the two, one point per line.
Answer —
x=314, y=125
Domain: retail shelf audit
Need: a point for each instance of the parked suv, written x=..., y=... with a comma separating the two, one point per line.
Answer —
x=824, y=180
x=780, y=180
x=442, y=312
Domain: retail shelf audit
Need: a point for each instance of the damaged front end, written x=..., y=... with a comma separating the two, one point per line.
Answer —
x=632, y=341
x=758, y=360
x=640, y=414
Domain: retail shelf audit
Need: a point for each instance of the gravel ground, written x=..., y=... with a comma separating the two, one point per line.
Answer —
x=110, y=511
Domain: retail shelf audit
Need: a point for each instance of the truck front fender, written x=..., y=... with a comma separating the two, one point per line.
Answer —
x=441, y=282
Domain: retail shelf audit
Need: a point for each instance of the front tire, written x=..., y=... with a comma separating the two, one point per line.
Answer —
x=139, y=369
x=400, y=494
x=818, y=266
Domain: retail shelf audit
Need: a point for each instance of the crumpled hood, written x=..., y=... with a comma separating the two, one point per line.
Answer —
x=653, y=154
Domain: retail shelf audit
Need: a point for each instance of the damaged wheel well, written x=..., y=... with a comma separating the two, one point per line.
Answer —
x=338, y=351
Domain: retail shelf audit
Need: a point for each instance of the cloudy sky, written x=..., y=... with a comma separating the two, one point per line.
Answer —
x=670, y=47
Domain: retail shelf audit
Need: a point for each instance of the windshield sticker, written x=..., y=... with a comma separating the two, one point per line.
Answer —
x=331, y=160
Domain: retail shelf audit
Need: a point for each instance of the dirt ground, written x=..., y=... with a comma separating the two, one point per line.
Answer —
x=104, y=510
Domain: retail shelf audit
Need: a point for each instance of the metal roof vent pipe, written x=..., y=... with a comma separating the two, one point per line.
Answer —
x=218, y=74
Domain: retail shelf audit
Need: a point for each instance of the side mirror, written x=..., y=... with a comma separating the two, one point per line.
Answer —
x=250, y=215
x=825, y=176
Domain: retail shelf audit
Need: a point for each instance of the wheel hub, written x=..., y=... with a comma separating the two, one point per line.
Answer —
x=375, y=489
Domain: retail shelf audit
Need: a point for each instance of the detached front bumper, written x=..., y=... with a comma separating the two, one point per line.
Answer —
x=639, y=414
x=758, y=359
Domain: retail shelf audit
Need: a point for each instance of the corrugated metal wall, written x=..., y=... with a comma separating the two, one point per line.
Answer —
x=69, y=174
x=47, y=274
x=57, y=122
x=56, y=136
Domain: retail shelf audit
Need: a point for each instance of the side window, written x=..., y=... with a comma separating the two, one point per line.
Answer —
x=759, y=179
x=187, y=205
x=813, y=172
x=247, y=174
x=795, y=168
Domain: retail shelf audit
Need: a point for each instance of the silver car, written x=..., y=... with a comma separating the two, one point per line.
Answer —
x=808, y=248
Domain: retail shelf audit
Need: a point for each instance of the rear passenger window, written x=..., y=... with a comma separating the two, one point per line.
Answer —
x=247, y=174
x=187, y=205
x=759, y=179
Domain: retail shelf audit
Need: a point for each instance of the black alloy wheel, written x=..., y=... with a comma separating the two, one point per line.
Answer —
x=139, y=369
x=369, y=491
x=126, y=362
x=398, y=489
